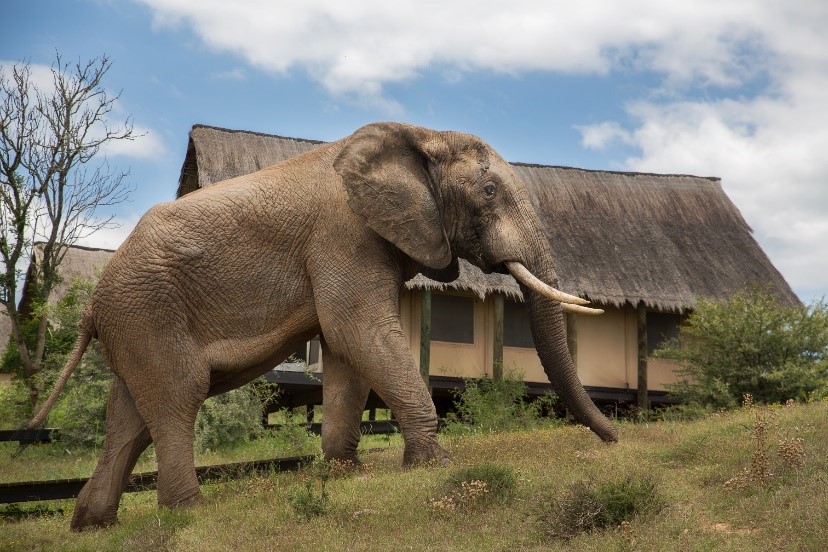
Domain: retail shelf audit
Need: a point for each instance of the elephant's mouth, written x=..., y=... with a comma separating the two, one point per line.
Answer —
x=488, y=268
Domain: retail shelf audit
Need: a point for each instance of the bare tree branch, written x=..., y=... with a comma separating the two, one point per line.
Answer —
x=52, y=180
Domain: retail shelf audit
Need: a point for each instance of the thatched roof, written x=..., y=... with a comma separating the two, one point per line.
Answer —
x=616, y=237
x=79, y=262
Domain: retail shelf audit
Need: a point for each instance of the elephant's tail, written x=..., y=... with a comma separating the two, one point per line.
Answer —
x=85, y=335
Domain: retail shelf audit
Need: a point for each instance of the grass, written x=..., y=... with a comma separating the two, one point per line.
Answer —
x=753, y=479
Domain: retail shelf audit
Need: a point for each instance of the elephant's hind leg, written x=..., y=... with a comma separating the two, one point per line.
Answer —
x=344, y=394
x=126, y=438
x=170, y=410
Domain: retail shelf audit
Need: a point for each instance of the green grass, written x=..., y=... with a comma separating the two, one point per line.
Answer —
x=704, y=476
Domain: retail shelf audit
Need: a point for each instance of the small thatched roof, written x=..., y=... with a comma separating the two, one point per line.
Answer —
x=616, y=237
x=78, y=262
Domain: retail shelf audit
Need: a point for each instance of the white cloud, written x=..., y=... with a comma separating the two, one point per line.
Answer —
x=601, y=135
x=145, y=145
x=112, y=237
x=357, y=46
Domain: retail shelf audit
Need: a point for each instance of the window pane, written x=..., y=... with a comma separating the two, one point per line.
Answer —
x=661, y=327
x=452, y=318
x=516, y=330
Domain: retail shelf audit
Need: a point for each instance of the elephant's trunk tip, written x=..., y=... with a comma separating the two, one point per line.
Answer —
x=608, y=434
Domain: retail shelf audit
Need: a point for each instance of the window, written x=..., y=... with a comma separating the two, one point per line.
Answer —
x=452, y=318
x=661, y=327
x=516, y=329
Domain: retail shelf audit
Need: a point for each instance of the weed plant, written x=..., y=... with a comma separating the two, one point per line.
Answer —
x=311, y=499
x=466, y=489
x=584, y=507
x=764, y=465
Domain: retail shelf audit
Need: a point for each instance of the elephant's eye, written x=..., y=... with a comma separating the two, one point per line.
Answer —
x=489, y=190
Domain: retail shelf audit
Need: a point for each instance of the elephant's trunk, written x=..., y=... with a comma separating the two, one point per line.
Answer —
x=548, y=331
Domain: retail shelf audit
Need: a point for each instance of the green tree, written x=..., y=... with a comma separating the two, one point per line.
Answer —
x=751, y=344
x=81, y=409
x=51, y=183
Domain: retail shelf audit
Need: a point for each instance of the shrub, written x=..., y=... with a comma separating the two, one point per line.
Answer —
x=470, y=487
x=231, y=418
x=311, y=499
x=15, y=408
x=292, y=436
x=584, y=507
x=496, y=405
x=751, y=345
x=623, y=499
x=81, y=410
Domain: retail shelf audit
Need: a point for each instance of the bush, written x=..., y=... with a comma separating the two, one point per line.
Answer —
x=292, y=437
x=496, y=405
x=585, y=507
x=312, y=499
x=231, y=418
x=80, y=412
x=751, y=345
x=15, y=408
x=470, y=487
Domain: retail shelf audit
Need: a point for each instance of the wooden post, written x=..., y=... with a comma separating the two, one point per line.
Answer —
x=425, y=335
x=643, y=398
x=497, y=356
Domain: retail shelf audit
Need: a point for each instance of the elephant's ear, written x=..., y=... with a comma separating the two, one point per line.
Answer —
x=387, y=170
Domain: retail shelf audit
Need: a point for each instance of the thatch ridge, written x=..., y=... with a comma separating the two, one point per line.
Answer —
x=254, y=133
x=607, y=171
x=617, y=237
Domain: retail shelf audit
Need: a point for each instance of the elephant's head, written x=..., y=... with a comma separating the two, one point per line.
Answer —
x=442, y=195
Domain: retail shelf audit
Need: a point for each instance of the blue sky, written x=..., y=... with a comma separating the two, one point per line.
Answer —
x=734, y=89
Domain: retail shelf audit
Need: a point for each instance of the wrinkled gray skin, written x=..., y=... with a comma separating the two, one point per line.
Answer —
x=214, y=289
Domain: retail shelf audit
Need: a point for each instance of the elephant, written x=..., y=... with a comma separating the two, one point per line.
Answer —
x=217, y=287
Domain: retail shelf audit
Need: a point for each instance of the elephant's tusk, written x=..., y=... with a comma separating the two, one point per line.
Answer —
x=525, y=277
x=578, y=309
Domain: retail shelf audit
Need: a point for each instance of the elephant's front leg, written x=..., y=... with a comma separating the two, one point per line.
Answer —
x=371, y=341
x=344, y=393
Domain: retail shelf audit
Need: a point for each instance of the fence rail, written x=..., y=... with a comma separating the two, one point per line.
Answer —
x=29, y=436
x=59, y=489
x=47, y=435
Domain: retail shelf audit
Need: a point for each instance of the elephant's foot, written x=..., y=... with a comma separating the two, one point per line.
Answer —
x=190, y=500
x=340, y=451
x=425, y=453
x=90, y=516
